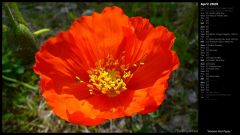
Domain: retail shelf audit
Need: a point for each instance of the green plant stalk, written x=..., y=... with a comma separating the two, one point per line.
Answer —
x=16, y=13
x=19, y=82
x=8, y=11
x=41, y=31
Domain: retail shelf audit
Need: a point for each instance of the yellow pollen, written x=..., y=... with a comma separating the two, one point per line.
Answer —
x=127, y=74
x=91, y=91
x=78, y=79
x=109, y=76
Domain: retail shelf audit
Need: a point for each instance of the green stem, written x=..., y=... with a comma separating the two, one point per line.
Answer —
x=19, y=82
x=18, y=14
x=8, y=11
x=41, y=31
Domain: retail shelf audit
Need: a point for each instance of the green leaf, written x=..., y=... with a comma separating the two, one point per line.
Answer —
x=4, y=28
x=20, y=70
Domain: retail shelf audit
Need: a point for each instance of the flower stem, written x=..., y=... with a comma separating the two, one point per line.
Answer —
x=8, y=11
x=17, y=14
x=19, y=82
x=41, y=31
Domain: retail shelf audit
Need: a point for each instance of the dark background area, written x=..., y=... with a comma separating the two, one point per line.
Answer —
x=218, y=114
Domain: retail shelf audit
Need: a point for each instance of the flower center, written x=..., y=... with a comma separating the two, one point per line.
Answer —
x=109, y=76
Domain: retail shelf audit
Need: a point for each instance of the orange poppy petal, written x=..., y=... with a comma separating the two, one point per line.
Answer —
x=100, y=34
x=167, y=38
x=133, y=42
x=127, y=103
x=141, y=26
x=77, y=100
x=51, y=99
x=79, y=119
x=59, y=96
x=159, y=61
x=156, y=94
x=53, y=62
x=69, y=99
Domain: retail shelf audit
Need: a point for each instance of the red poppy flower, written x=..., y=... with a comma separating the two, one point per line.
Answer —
x=106, y=66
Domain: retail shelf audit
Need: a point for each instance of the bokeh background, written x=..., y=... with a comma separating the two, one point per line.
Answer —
x=25, y=110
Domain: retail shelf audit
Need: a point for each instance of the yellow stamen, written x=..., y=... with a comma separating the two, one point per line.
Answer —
x=127, y=74
x=109, y=76
x=78, y=79
x=91, y=91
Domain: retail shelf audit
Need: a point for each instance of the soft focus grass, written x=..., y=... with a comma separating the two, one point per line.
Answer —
x=24, y=110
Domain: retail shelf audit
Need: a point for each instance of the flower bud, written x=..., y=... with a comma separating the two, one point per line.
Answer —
x=23, y=43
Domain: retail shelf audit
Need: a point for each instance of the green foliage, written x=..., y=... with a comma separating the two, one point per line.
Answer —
x=19, y=37
x=10, y=65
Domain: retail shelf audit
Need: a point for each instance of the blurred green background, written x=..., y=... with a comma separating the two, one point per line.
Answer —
x=24, y=110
